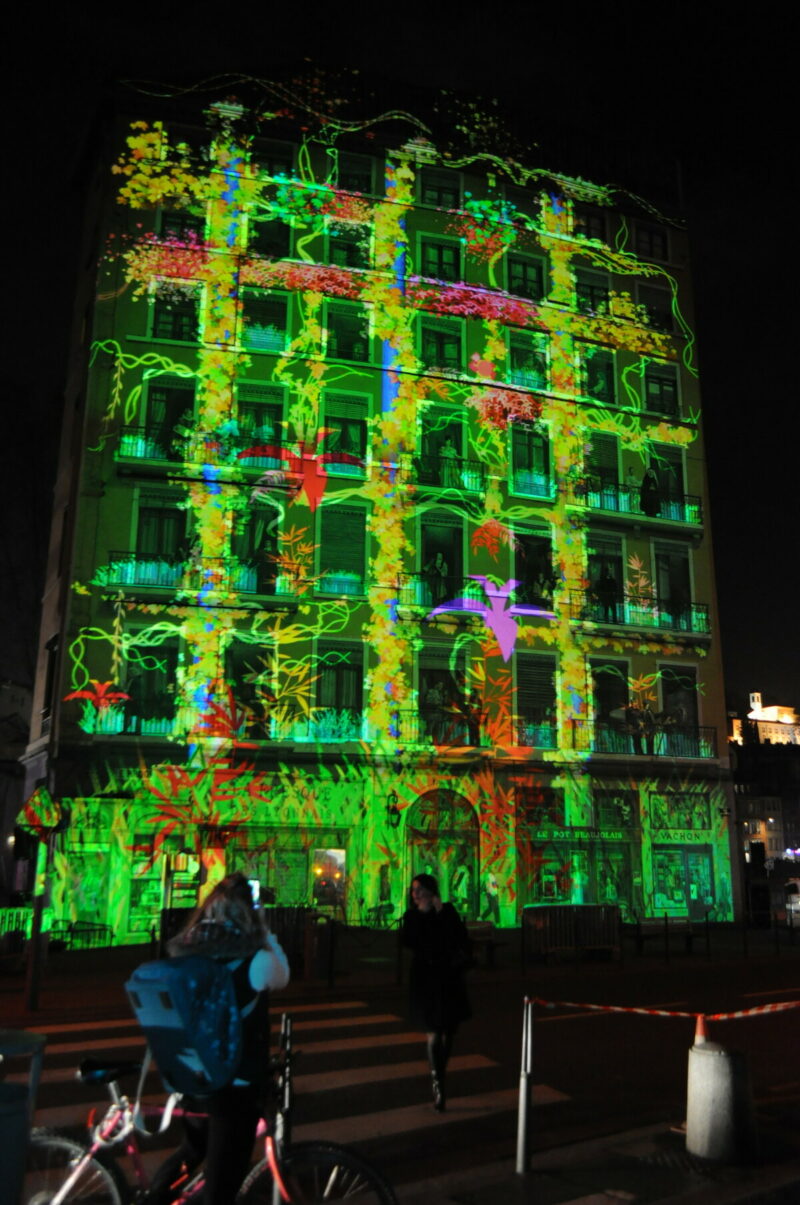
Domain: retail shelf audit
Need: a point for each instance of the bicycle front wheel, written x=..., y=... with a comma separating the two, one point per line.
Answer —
x=52, y=1164
x=315, y=1172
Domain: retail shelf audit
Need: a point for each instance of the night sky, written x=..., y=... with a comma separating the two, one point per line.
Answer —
x=684, y=80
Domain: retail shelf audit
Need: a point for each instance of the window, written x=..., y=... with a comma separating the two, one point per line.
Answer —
x=440, y=344
x=160, y=528
x=606, y=579
x=525, y=277
x=592, y=291
x=255, y=549
x=536, y=701
x=610, y=683
x=355, y=172
x=175, y=314
x=539, y=806
x=348, y=245
x=259, y=411
x=342, y=549
x=661, y=389
x=615, y=809
x=440, y=260
x=151, y=684
x=590, y=222
x=444, y=707
x=599, y=379
x=442, y=558
x=530, y=461
x=527, y=360
x=674, y=587
x=265, y=321
x=169, y=404
x=348, y=331
x=650, y=241
x=440, y=188
x=180, y=225
x=667, y=462
x=346, y=426
x=533, y=568
x=272, y=238
x=602, y=470
x=441, y=461
x=275, y=159
x=249, y=670
x=340, y=678
x=658, y=305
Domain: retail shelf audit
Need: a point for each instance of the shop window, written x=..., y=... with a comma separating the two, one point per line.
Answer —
x=680, y=810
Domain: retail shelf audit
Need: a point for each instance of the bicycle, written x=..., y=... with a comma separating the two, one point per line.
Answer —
x=61, y=1170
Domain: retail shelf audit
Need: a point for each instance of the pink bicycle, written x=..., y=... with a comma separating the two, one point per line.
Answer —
x=59, y=1169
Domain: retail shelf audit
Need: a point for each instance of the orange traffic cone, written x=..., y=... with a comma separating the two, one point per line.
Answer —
x=700, y=1035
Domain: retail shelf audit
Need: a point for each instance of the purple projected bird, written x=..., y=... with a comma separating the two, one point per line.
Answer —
x=498, y=618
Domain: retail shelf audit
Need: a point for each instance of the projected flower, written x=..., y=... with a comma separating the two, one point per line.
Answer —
x=101, y=695
x=499, y=618
x=305, y=466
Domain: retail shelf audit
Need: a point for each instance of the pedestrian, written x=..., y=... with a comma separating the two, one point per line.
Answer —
x=440, y=946
x=230, y=927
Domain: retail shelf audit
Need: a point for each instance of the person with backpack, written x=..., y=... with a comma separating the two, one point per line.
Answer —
x=228, y=928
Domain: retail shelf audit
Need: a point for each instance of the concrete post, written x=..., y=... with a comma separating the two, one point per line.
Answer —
x=719, y=1108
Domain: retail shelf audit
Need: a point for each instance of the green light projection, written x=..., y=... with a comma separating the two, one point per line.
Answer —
x=345, y=442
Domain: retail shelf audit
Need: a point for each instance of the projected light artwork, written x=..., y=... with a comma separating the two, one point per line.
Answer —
x=394, y=563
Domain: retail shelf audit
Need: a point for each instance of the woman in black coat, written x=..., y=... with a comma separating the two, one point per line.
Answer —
x=438, y=938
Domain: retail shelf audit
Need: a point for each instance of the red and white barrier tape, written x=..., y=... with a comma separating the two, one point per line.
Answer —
x=663, y=1012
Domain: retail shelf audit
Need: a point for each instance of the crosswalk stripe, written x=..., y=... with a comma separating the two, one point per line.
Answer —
x=362, y=1127
x=123, y=1022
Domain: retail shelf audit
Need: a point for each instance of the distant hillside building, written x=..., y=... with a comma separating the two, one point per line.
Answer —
x=777, y=724
x=380, y=540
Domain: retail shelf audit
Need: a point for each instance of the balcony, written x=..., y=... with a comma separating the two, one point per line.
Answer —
x=531, y=483
x=340, y=582
x=257, y=576
x=641, y=734
x=614, y=497
x=149, y=443
x=162, y=571
x=324, y=725
x=125, y=721
x=640, y=611
x=450, y=473
x=534, y=734
x=429, y=588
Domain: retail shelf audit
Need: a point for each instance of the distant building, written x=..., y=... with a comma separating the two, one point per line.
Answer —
x=777, y=724
x=380, y=540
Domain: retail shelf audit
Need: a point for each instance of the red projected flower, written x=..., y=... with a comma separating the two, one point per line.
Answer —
x=101, y=695
x=306, y=473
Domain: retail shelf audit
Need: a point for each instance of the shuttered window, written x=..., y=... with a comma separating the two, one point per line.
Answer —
x=536, y=689
x=342, y=549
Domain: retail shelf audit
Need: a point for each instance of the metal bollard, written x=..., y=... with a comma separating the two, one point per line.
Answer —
x=526, y=1066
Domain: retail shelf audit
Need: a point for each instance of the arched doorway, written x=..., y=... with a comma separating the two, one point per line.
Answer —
x=442, y=840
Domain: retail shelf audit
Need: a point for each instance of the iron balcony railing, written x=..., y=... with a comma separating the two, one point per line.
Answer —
x=451, y=472
x=149, y=443
x=247, y=575
x=159, y=570
x=625, y=499
x=640, y=611
x=430, y=588
x=639, y=736
x=531, y=483
x=535, y=734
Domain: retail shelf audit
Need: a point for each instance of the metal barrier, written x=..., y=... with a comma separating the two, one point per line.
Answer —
x=576, y=928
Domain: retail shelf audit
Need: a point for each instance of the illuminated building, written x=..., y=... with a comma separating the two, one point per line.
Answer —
x=381, y=541
x=777, y=724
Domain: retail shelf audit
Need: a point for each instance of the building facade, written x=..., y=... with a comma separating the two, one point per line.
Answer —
x=381, y=540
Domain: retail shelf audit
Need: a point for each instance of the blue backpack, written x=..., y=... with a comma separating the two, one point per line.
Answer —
x=187, y=1008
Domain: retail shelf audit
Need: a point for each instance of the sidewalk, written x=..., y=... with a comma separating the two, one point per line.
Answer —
x=643, y=1165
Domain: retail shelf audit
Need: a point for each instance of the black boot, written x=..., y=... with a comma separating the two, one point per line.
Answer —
x=437, y=1060
x=438, y=1093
